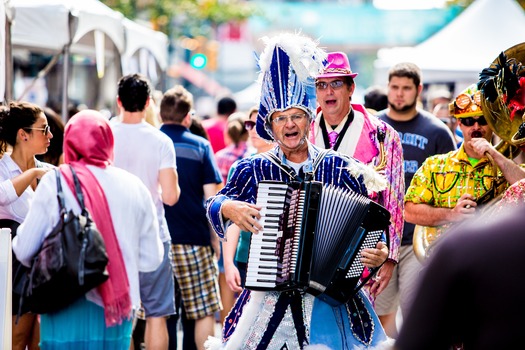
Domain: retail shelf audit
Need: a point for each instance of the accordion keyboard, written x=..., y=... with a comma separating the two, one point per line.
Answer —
x=263, y=263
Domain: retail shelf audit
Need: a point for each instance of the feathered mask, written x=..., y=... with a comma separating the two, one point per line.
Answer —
x=288, y=67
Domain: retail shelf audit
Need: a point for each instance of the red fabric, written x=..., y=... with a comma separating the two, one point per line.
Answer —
x=517, y=104
x=215, y=128
x=88, y=139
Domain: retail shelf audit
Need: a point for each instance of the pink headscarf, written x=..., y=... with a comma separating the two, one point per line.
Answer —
x=88, y=139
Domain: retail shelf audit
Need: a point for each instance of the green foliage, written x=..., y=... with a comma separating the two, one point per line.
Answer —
x=188, y=17
x=466, y=3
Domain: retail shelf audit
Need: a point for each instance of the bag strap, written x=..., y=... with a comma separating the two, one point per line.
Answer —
x=60, y=195
x=86, y=228
x=78, y=192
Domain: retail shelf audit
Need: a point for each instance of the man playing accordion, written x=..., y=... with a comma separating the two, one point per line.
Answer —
x=273, y=319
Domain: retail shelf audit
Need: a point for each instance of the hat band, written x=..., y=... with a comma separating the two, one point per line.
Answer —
x=338, y=70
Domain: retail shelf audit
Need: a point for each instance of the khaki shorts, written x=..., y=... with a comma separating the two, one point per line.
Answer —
x=401, y=288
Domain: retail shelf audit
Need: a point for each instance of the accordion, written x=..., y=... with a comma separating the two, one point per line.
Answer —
x=311, y=239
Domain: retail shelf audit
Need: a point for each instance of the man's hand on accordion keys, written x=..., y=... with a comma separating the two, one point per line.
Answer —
x=243, y=214
x=374, y=257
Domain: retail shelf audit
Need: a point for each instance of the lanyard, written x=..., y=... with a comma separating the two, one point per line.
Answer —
x=341, y=134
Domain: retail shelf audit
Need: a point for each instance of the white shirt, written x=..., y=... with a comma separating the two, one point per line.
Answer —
x=350, y=140
x=132, y=212
x=11, y=206
x=143, y=150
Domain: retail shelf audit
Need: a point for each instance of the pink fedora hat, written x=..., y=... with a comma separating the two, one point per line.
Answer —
x=337, y=66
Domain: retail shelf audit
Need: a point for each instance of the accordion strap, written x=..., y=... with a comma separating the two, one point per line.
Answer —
x=294, y=300
x=269, y=155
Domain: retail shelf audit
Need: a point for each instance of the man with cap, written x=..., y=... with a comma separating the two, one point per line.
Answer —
x=350, y=129
x=292, y=320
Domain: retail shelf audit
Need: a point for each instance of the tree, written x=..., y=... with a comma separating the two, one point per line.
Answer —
x=466, y=3
x=188, y=17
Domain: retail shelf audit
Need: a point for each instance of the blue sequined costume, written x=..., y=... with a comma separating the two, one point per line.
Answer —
x=274, y=320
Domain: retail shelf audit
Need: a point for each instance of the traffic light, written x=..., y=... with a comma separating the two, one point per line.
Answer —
x=201, y=53
x=212, y=53
x=198, y=60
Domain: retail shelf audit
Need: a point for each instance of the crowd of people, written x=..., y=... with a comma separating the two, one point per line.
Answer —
x=175, y=199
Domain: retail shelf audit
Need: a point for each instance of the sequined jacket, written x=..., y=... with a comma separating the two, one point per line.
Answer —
x=335, y=169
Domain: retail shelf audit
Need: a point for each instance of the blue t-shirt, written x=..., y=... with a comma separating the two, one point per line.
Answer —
x=196, y=167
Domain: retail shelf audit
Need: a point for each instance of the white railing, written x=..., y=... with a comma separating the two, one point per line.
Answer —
x=5, y=288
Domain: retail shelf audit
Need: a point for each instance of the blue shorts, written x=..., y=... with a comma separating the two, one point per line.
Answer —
x=157, y=288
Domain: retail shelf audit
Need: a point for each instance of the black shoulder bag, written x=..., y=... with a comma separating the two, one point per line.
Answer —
x=71, y=261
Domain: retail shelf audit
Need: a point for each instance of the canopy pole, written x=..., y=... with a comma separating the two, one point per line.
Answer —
x=65, y=75
x=9, y=79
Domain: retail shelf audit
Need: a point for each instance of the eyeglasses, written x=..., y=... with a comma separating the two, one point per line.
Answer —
x=46, y=129
x=249, y=125
x=283, y=119
x=335, y=84
x=471, y=121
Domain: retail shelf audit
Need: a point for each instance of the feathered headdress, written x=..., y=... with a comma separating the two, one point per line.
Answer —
x=288, y=67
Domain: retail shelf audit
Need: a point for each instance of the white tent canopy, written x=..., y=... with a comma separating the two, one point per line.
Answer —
x=146, y=51
x=140, y=37
x=50, y=25
x=459, y=52
x=89, y=28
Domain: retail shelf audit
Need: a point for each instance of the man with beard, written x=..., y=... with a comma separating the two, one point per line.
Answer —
x=422, y=135
x=350, y=129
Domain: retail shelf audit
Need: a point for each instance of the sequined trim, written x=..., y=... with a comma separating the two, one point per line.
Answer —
x=361, y=322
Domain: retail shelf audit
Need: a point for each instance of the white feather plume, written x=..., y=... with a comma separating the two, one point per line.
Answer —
x=306, y=58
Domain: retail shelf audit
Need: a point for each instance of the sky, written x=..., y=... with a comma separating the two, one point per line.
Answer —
x=408, y=4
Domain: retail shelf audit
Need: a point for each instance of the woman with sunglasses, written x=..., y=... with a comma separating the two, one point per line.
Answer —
x=449, y=188
x=23, y=127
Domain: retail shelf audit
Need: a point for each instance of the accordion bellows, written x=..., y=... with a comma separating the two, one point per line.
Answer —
x=312, y=238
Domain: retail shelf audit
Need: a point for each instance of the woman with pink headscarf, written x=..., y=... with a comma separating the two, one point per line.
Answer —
x=123, y=211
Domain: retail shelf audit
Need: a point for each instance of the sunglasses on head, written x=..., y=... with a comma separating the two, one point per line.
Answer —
x=249, y=125
x=470, y=121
